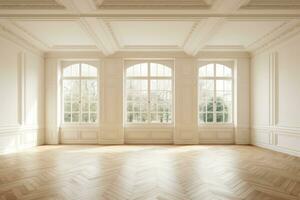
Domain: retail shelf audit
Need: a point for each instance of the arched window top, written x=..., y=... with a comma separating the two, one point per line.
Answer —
x=215, y=70
x=154, y=70
x=80, y=69
x=157, y=69
x=137, y=70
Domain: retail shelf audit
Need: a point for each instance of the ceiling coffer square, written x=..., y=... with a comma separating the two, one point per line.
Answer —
x=272, y=4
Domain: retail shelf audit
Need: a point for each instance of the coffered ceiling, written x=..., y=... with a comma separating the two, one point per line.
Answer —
x=110, y=26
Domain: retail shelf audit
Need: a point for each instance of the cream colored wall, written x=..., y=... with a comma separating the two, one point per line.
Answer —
x=111, y=128
x=275, y=97
x=21, y=96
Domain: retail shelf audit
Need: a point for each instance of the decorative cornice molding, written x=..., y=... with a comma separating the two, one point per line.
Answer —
x=271, y=4
x=30, y=5
x=286, y=32
x=153, y=4
x=11, y=36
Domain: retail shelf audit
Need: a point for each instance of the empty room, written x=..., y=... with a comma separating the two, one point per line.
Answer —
x=149, y=99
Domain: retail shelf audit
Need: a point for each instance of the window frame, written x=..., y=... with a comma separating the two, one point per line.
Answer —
x=93, y=63
x=131, y=62
x=230, y=64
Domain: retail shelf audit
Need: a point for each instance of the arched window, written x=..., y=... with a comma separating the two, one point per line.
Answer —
x=149, y=88
x=80, y=93
x=215, y=93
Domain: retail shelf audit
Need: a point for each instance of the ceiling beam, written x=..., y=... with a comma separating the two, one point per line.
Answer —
x=96, y=28
x=208, y=27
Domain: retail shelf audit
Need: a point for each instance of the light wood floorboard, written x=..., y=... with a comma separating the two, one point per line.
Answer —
x=148, y=172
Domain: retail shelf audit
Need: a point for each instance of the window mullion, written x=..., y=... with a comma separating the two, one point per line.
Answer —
x=215, y=96
x=149, y=93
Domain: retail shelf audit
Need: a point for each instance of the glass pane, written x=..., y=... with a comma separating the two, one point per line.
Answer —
x=228, y=85
x=144, y=117
x=85, y=117
x=137, y=70
x=93, y=117
x=219, y=106
x=75, y=107
x=93, y=107
x=157, y=69
x=220, y=85
x=67, y=107
x=202, y=117
x=88, y=70
x=167, y=117
x=71, y=71
x=85, y=107
x=202, y=107
x=75, y=117
x=223, y=71
x=220, y=117
x=210, y=117
x=206, y=71
x=129, y=117
x=67, y=117
x=210, y=106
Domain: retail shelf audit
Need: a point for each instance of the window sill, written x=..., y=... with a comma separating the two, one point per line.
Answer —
x=148, y=126
x=215, y=126
x=80, y=125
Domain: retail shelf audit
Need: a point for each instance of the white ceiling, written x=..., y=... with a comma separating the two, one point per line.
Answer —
x=57, y=33
x=242, y=33
x=151, y=33
x=110, y=26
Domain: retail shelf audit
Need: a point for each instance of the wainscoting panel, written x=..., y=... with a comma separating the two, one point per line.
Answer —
x=216, y=136
x=137, y=135
x=278, y=139
x=18, y=138
x=79, y=135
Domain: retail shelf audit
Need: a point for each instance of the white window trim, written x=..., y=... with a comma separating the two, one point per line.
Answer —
x=129, y=63
x=227, y=63
x=65, y=64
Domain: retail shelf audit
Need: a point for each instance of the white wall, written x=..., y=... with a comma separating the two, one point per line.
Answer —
x=111, y=128
x=21, y=96
x=275, y=97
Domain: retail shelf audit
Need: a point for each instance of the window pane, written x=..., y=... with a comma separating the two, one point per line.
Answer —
x=219, y=117
x=67, y=107
x=75, y=117
x=137, y=70
x=71, y=71
x=157, y=69
x=67, y=117
x=206, y=71
x=88, y=70
x=210, y=117
x=85, y=117
x=223, y=71
x=93, y=117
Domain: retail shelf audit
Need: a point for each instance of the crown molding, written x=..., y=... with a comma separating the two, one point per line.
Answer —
x=284, y=33
x=223, y=48
x=30, y=5
x=73, y=47
x=16, y=39
x=153, y=4
x=271, y=4
x=28, y=36
x=151, y=48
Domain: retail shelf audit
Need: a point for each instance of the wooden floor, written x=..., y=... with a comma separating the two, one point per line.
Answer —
x=149, y=172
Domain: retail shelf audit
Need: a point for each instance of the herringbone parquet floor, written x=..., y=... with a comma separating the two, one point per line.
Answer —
x=149, y=172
